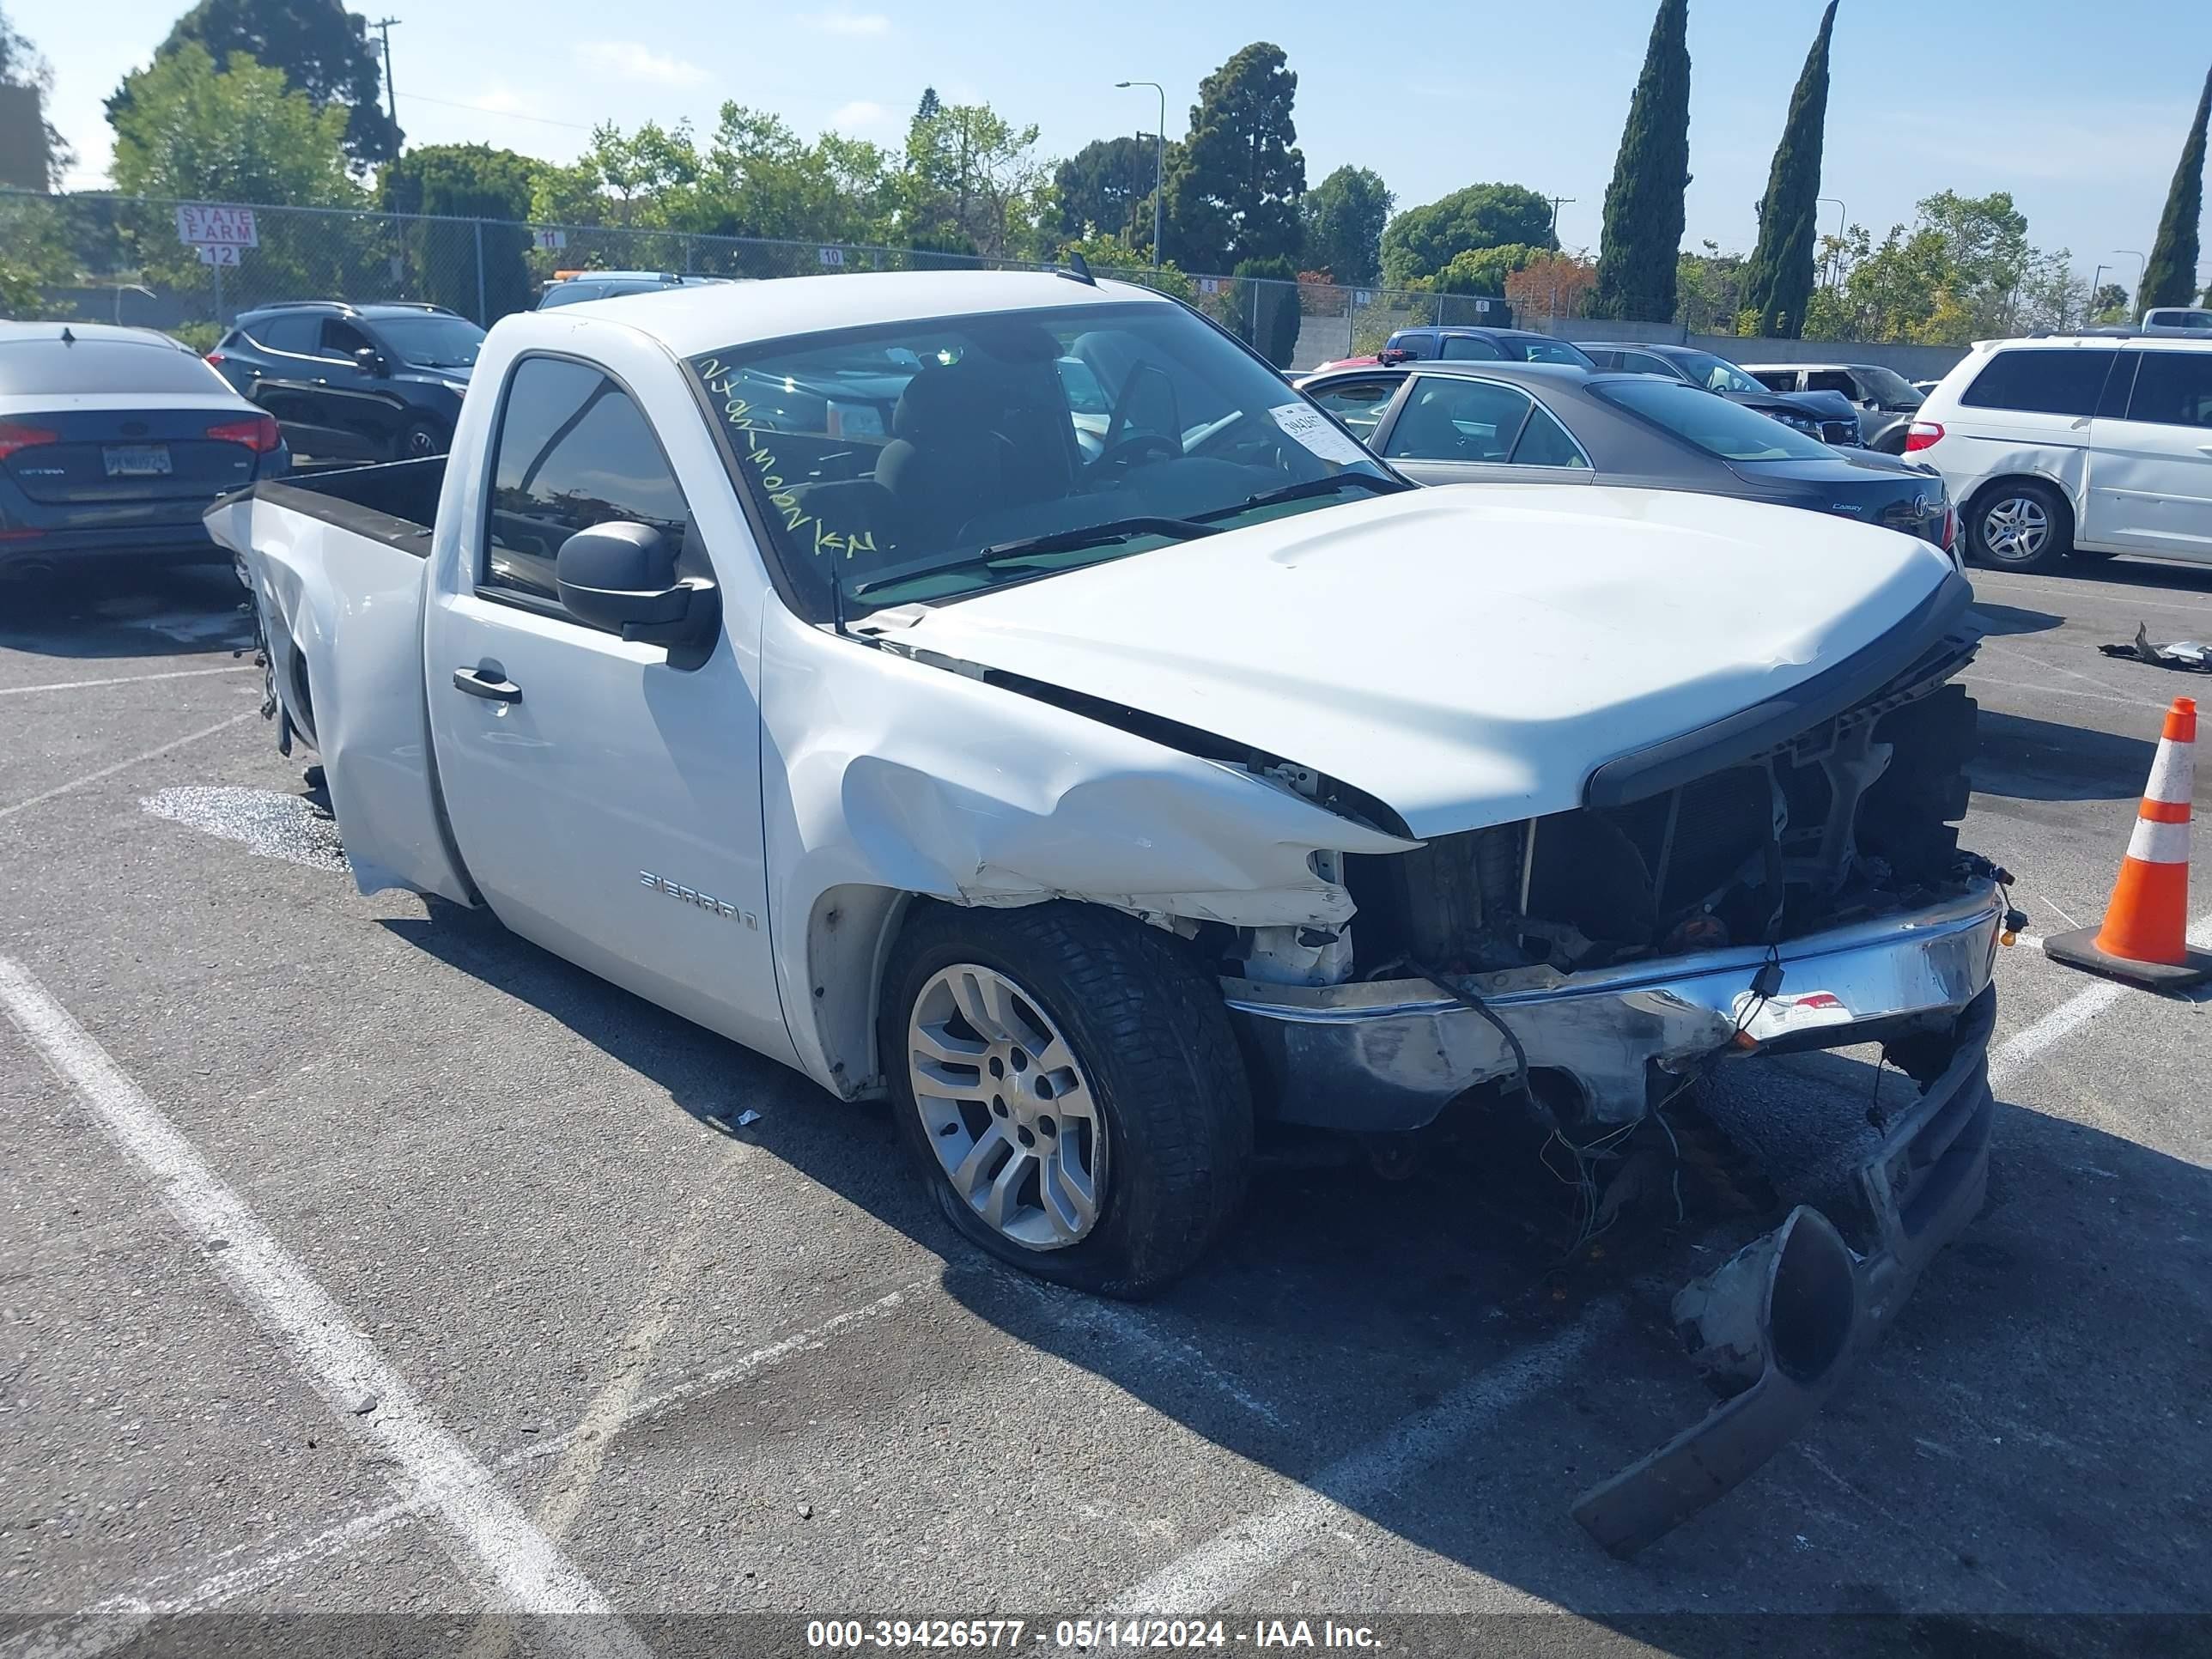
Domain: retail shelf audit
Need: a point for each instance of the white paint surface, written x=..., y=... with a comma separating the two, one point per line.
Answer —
x=493, y=1541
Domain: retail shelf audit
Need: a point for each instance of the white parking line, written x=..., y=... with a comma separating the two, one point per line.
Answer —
x=111, y=1624
x=496, y=1543
x=125, y=765
x=1202, y=1578
x=2009, y=1057
x=130, y=679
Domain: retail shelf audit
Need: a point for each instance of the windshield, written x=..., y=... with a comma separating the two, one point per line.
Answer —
x=1714, y=424
x=430, y=340
x=924, y=460
x=1890, y=390
x=1718, y=375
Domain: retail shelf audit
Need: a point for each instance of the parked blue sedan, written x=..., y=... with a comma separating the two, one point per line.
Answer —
x=113, y=443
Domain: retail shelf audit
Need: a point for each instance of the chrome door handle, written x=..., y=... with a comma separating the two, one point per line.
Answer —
x=472, y=681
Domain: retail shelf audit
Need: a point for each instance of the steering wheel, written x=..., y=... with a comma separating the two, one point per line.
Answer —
x=1127, y=451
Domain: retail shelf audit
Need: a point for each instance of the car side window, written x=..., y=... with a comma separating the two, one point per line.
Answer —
x=1358, y=404
x=2173, y=388
x=1775, y=379
x=2042, y=381
x=1833, y=379
x=294, y=332
x=1545, y=442
x=341, y=338
x=573, y=450
x=1413, y=345
x=1449, y=419
x=1470, y=348
x=1642, y=362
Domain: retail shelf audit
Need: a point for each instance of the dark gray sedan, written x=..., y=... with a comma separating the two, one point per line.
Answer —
x=1525, y=422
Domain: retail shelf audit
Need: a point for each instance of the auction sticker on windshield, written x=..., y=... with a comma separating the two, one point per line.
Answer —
x=1311, y=428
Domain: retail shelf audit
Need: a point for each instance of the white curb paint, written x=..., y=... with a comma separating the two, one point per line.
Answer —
x=497, y=1543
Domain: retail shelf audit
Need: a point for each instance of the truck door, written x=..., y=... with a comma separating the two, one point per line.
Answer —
x=2150, y=459
x=607, y=800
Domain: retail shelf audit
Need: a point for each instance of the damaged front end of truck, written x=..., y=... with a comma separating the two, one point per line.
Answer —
x=1589, y=967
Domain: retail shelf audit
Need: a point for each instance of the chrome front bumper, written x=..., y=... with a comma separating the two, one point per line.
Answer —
x=1388, y=1055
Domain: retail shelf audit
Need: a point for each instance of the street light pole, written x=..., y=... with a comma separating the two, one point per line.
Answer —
x=2141, y=266
x=1159, y=165
x=2096, y=284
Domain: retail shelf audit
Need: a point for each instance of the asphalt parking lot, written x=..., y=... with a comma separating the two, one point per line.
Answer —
x=674, y=1366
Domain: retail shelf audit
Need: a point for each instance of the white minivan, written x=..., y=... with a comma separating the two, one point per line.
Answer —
x=2090, y=445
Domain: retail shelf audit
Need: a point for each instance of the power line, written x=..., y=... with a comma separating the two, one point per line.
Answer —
x=486, y=109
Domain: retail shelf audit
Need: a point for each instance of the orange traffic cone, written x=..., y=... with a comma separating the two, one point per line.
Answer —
x=2142, y=939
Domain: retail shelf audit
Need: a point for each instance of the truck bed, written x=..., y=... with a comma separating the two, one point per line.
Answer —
x=395, y=503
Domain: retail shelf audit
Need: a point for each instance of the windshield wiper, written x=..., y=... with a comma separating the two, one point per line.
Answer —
x=1298, y=492
x=1055, y=541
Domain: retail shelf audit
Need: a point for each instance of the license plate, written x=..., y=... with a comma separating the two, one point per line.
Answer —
x=137, y=460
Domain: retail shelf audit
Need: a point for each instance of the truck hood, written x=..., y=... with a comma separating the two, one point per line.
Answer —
x=1467, y=655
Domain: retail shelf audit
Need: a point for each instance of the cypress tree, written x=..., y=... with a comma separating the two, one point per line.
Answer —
x=2170, y=276
x=1778, y=281
x=1641, y=242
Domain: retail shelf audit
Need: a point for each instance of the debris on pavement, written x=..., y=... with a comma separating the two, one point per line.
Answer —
x=2191, y=656
x=746, y=1118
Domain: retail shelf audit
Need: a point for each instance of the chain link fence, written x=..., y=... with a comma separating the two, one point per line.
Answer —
x=128, y=259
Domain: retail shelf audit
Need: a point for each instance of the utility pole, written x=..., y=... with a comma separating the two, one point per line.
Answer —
x=1552, y=305
x=384, y=26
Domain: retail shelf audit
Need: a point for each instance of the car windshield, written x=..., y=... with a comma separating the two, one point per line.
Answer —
x=1534, y=349
x=1714, y=424
x=1891, y=389
x=918, y=461
x=1718, y=373
x=430, y=340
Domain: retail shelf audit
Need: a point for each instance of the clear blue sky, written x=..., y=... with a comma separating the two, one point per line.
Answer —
x=2078, y=110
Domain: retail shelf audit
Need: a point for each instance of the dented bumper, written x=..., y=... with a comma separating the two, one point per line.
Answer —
x=1388, y=1055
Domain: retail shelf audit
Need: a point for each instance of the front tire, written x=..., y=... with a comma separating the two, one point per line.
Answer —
x=2021, y=526
x=1066, y=1083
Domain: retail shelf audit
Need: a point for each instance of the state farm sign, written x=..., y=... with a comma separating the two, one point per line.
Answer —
x=209, y=224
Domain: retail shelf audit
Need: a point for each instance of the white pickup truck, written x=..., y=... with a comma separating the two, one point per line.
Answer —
x=1002, y=693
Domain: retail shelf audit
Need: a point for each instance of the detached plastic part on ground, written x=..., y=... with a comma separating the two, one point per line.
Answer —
x=2191, y=656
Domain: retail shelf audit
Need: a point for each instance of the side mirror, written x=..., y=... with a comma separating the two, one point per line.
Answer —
x=372, y=361
x=622, y=577
x=1389, y=355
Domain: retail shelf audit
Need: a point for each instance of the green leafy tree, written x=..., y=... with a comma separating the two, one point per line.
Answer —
x=1345, y=214
x=1107, y=185
x=21, y=65
x=2108, y=306
x=320, y=47
x=1122, y=258
x=1963, y=271
x=1421, y=241
x=969, y=170
x=452, y=182
x=1642, y=239
x=1235, y=189
x=1484, y=271
x=2170, y=274
x=1709, y=291
x=1779, y=286
x=190, y=130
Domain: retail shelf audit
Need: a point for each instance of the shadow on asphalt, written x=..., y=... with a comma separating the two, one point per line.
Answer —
x=116, y=609
x=2031, y=759
x=1342, y=1303
x=2140, y=573
x=2003, y=619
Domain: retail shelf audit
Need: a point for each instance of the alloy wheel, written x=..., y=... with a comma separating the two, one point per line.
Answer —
x=1007, y=1107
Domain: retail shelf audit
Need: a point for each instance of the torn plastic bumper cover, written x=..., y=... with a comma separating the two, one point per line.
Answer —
x=1776, y=1326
